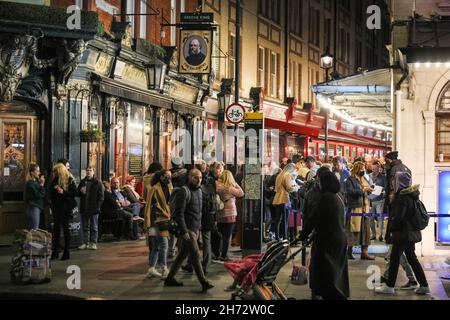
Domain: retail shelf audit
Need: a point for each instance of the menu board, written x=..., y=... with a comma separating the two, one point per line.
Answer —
x=135, y=165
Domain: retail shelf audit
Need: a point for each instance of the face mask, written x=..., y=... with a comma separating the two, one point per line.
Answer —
x=361, y=173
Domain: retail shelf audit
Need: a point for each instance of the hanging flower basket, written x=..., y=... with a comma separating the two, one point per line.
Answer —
x=91, y=135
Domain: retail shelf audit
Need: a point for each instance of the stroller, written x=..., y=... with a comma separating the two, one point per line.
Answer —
x=255, y=274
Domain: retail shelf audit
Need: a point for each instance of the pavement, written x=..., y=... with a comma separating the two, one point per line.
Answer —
x=117, y=270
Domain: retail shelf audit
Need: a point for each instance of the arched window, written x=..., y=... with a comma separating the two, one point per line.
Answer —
x=442, y=150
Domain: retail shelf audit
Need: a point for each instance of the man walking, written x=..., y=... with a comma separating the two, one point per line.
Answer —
x=90, y=191
x=187, y=212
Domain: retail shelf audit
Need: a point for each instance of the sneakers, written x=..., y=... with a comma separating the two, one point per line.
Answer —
x=384, y=290
x=410, y=285
x=152, y=272
x=92, y=246
x=83, y=247
x=164, y=272
x=172, y=283
x=422, y=290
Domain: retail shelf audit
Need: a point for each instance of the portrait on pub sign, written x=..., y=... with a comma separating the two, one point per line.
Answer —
x=195, y=56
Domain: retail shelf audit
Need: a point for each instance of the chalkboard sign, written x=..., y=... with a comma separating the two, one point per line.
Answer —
x=76, y=231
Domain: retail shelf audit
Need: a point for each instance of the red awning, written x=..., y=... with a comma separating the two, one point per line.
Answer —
x=355, y=140
x=285, y=126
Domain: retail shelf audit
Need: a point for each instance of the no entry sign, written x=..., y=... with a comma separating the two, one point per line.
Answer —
x=235, y=113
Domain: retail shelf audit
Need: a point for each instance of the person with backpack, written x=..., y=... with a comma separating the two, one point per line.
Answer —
x=186, y=205
x=228, y=190
x=407, y=218
x=157, y=216
x=393, y=166
x=91, y=193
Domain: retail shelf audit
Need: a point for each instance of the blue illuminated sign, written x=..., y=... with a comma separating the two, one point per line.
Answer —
x=443, y=234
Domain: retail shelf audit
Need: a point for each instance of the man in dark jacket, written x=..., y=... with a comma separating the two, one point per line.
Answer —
x=188, y=214
x=403, y=236
x=90, y=191
x=393, y=166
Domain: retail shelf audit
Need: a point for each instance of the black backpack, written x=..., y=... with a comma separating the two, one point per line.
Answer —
x=420, y=218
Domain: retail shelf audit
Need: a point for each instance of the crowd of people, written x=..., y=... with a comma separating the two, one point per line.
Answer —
x=344, y=205
x=341, y=205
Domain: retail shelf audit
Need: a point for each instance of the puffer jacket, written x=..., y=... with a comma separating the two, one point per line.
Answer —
x=228, y=195
x=399, y=229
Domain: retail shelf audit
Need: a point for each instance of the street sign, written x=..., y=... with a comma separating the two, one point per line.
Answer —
x=235, y=113
x=193, y=17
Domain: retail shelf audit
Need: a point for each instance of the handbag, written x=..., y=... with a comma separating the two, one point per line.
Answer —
x=220, y=203
x=300, y=274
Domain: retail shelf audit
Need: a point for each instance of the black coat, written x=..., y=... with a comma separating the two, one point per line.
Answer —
x=329, y=268
x=396, y=166
x=63, y=203
x=399, y=229
x=188, y=214
x=354, y=193
x=91, y=202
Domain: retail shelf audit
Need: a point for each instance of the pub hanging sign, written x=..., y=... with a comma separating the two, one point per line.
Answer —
x=195, y=51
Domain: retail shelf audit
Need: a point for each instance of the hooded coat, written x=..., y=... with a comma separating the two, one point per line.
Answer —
x=329, y=267
x=399, y=229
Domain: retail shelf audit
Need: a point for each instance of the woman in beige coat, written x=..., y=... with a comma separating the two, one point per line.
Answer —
x=358, y=227
x=228, y=190
x=284, y=184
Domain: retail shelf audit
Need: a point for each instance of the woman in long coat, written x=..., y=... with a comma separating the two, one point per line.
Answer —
x=157, y=214
x=357, y=189
x=328, y=269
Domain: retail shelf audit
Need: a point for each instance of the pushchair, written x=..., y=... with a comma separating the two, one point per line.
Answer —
x=255, y=275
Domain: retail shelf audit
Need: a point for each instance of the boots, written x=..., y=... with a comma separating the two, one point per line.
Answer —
x=350, y=253
x=55, y=255
x=66, y=255
x=365, y=253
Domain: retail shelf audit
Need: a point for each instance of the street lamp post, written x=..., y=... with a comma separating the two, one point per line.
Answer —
x=223, y=100
x=326, y=63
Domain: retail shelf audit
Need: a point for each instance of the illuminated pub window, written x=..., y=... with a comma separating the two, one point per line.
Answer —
x=442, y=149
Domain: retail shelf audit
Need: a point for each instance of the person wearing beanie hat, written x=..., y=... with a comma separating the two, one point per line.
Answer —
x=393, y=155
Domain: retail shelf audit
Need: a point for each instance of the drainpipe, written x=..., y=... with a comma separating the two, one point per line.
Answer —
x=398, y=109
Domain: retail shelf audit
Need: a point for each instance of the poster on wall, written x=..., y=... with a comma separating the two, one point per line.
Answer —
x=443, y=234
x=195, y=51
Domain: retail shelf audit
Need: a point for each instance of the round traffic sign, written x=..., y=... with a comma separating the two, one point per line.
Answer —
x=235, y=113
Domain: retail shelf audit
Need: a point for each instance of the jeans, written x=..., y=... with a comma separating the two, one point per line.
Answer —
x=280, y=221
x=377, y=207
x=397, y=251
x=158, y=251
x=226, y=229
x=134, y=208
x=33, y=217
x=188, y=248
x=206, y=237
x=90, y=228
x=403, y=262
